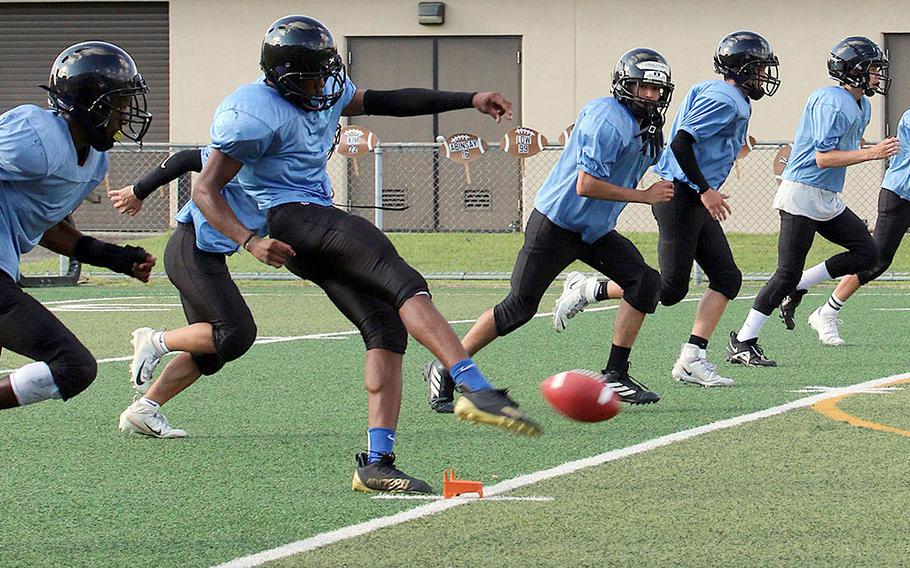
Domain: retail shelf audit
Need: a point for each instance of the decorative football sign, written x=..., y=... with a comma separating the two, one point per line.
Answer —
x=780, y=161
x=523, y=142
x=355, y=141
x=564, y=137
x=465, y=148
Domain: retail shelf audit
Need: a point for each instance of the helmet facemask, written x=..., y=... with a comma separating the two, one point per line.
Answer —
x=759, y=78
x=311, y=90
x=861, y=73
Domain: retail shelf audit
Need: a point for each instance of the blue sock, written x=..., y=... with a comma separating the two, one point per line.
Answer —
x=466, y=373
x=382, y=441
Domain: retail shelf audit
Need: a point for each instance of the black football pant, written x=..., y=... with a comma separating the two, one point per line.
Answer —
x=687, y=234
x=793, y=244
x=355, y=264
x=548, y=249
x=890, y=227
x=31, y=330
x=209, y=295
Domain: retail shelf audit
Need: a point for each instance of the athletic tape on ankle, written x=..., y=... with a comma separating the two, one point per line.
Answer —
x=33, y=383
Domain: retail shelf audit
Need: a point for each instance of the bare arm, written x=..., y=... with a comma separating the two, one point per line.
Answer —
x=590, y=186
x=65, y=239
x=61, y=238
x=841, y=158
x=218, y=171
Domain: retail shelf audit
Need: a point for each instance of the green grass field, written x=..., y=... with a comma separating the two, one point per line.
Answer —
x=272, y=439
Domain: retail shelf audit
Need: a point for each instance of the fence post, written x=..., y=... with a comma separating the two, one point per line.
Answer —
x=698, y=274
x=377, y=189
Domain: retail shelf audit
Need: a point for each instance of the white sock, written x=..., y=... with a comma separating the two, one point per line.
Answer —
x=831, y=307
x=812, y=276
x=589, y=290
x=33, y=383
x=752, y=326
x=150, y=403
x=159, y=344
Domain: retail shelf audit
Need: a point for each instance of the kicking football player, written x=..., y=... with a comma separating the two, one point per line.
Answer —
x=280, y=130
x=221, y=327
x=709, y=129
x=50, y=160
x=892, y=223
x=809, y=201
x=615, y=140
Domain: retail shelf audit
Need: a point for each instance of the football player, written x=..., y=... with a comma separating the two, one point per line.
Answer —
x=221, y=327
x=50, y=160
x=280, y=130
x=892, y=223
x=809, y=201
x=709, y=129
x=615, y=140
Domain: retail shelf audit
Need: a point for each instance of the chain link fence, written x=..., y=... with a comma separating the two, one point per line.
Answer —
x=420, y=190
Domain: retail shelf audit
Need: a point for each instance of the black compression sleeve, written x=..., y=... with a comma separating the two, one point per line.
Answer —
x=170, y=169
x=685, y=157
x=106, y=255
x=414, y=102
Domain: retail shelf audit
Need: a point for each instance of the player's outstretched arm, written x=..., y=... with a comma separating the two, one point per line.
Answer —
x=65, y=239
x=218, y=171
x=841, y=158
x=595, y=188
x=129, y=199
x=418, y=102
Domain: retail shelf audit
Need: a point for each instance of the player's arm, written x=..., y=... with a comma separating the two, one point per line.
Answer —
x=218, y=171
x=129, y=199
x=595, y=188
x=841, y=158
x=683, y=148
x=65, y=239
x=418, y=102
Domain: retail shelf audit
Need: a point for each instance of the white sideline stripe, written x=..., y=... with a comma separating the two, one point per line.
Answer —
x=359, y=529
x=466, y=499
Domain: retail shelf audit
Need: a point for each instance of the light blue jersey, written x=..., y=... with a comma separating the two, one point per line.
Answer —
x=283, y=148
x=716, y=114
x=606, y=145
x=41, y=181
x=897, y=178
x=833, y=120
x=208, y=238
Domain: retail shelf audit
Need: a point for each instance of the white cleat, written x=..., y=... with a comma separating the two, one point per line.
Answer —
x=826, y=327
x=140, y=418
x=145, y=359
x=694, y=368
x=571, y=301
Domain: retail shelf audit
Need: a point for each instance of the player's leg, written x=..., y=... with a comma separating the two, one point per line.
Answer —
x=890, y=227
x=794, y=241
x=616, y=257
x=848, y=231
x=63, y=367
x=221, y=329
x=679, y=224
x=385, y=339
x=353, y=250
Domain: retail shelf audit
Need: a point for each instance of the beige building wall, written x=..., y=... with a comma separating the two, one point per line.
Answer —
x=569, y=46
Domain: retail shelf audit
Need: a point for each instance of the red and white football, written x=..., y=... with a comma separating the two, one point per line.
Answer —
x=581, y=395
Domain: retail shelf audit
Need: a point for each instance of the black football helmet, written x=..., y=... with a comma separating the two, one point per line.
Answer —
x=299, y=57
x=91, y=80
x=642, y=65
x=747, y=58
x=854, y=59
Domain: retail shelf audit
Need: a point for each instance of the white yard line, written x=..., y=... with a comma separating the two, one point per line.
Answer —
x=438, y=506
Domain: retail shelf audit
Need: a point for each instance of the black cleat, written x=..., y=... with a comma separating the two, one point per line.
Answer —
x=748, y=353
x=440, y=387
x=495, y=408
x=628, y=389
x=788, y=308
x=383, y=476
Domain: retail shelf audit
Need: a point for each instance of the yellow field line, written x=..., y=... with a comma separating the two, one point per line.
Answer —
x=829, y=408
